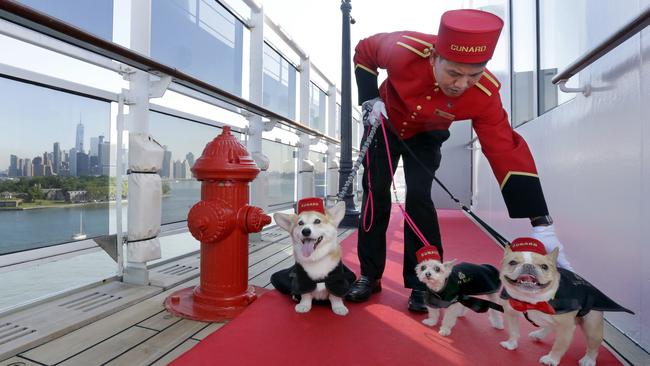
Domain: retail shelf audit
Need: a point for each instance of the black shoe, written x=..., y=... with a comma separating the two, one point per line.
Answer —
x=417, y=301
x=362, y=288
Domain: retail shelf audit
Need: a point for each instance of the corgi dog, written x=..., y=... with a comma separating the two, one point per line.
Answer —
x=319, y=272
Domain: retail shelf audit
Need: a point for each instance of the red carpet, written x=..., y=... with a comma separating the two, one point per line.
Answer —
x=380, y=331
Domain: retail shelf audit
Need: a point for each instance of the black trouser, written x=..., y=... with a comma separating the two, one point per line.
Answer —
x=371, y=245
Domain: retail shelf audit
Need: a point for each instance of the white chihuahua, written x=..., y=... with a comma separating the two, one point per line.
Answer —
x=450, y=287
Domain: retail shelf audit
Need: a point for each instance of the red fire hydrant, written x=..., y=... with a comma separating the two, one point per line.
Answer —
x=221, y=221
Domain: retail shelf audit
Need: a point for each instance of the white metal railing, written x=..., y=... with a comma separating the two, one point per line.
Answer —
x=29, y=26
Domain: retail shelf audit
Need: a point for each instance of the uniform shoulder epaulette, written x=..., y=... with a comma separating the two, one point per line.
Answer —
x=488, y=83
x=416, y=45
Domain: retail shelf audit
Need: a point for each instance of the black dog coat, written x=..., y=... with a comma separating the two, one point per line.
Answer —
x=464, y=280
x=294, y=281
x=576, y=293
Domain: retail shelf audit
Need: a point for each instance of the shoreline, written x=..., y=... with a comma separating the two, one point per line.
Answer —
x=63, y=205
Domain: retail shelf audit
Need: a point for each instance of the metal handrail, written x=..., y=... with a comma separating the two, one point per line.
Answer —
x=55, y=28
x=625, y=32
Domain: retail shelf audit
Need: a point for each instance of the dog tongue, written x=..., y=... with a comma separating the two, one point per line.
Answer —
x=307, y=248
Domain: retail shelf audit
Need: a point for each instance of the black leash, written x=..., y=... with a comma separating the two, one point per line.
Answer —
x=495, y=234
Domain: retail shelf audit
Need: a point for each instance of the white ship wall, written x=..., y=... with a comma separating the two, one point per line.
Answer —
x=593, y=157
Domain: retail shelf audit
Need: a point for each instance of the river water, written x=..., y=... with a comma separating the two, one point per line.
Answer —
x=36, y=228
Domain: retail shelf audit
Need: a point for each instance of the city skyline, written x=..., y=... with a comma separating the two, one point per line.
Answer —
x=72, y=162
x=34, y=118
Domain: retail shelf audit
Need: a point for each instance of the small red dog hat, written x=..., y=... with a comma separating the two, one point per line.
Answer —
x=528, y=245
x=311, y=204
x=427, y=253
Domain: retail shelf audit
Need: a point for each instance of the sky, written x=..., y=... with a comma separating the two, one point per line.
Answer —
x=319, y=36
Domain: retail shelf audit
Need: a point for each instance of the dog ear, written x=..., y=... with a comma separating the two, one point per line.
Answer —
x=283, y=220
x=336, y=213
x=507, y=250
x=554, y=254
x=449, y=264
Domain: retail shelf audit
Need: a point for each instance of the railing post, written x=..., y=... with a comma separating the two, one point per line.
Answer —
x=332, y=162
x=305, y=167
x=259, y=186
x=135, y=271
x=351, y=218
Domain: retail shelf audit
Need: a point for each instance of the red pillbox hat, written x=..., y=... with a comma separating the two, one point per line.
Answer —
x=528, y=245
x=311, y=204
x=427, y=253
x=468, y=36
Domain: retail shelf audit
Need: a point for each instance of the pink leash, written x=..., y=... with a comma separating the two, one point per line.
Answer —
x=370, y=201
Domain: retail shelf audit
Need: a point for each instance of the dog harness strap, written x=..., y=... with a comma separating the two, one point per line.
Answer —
x=529, y=319
x=479, y=305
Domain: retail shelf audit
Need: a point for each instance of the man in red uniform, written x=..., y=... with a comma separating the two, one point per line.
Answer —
x=433, y=81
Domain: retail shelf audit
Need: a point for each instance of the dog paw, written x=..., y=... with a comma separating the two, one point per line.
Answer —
x=430, y=322
x=538, y=334
x=509, y=345
x=340, y=310
x=587, y=361
x=497, y=322
x=444, y=332
x=302, y=308
x=549, y=360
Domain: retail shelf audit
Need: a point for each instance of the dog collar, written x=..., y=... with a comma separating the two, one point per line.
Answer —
x=523, y=307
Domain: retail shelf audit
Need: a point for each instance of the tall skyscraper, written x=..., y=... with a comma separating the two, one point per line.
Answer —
x=38, y=166
x=79, y=143
x=27, y=168
x=190, y=159
x=13, y=166
x=56, y=158
x=83, y=164
x=72, y=158
x=94, y=146
x=166, y=171
x=104, y=157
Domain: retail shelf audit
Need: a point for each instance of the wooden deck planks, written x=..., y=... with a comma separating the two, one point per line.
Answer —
x=145, y=333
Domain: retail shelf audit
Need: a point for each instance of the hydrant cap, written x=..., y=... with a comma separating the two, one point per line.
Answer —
x=225, y=158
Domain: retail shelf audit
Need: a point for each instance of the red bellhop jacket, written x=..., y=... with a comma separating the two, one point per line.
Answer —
x=415, y=104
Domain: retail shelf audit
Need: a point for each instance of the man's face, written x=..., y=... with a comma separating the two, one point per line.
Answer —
x=454, y=78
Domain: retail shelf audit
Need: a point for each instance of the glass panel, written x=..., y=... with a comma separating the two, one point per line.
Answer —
x=317, y=107
x=524, y=60
x=320, y=183
x=54, y=166
x=92, y=16
x=338, y=122
x=356, y=140
x=281, y=172
x=201, y=38
x=279, y=84
x=180, y=190
x=561, y=28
